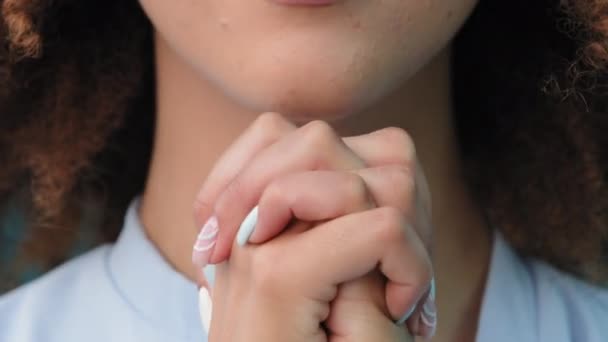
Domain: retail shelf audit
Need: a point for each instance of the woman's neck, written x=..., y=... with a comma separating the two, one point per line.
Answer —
x=196, y=122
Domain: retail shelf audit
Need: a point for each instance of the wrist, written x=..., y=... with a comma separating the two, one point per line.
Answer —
x=271, y=319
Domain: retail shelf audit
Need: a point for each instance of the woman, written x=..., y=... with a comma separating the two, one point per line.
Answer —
x=327, y=201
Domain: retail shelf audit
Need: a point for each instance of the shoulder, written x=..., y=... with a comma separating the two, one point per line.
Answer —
x=567, y=304
x=528, y=300
x=63, y=302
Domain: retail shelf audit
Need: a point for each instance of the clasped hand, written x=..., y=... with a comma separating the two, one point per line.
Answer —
x=334, y=242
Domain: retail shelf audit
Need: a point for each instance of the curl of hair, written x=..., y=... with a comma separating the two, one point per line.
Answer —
x=530, y=77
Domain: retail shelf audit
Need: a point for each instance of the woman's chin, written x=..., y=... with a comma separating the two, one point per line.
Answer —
x=302, y=105
x=308, y=99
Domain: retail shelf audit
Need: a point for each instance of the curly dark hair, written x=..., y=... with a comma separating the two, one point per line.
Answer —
x=77, y=115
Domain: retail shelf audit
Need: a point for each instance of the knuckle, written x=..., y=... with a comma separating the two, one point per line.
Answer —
x=319, y=142
x=401, y=183
x=402, y=177
x=202, y=204
x=221, y=210
x=319, y=133
x=356, y=185
x=391, y=225
x=402, y=141
x=235, y=191
x=271, y=122
x=264, y=269
x=274, y=192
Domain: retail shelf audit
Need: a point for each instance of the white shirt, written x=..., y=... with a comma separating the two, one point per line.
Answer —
x=128, y=292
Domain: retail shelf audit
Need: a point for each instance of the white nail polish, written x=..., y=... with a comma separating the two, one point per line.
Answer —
x=247, y=227
x=205, y=307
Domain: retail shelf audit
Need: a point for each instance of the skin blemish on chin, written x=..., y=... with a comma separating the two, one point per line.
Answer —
x=224, y=24
x=356, y=22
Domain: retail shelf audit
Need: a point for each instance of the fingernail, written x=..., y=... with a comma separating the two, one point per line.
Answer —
x=205, y=308
x=428, y=318
x=406, y=316
x=205, y=242
x=411, y=311
x=247, y=227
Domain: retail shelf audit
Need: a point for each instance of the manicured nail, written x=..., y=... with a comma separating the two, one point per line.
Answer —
x=406, y=316
x=247, y=227
x=428, y=318
x=411, y=311
x=205, y=308
x=205, y=243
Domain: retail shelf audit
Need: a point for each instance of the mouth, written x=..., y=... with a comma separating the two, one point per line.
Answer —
x=309, y=3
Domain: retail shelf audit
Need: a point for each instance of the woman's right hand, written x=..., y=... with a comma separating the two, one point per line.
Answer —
x=370, y=184
x=315, y=284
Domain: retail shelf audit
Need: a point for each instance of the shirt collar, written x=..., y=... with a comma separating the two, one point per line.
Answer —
x=156, y=291
x=168, y=300
x=508, y=309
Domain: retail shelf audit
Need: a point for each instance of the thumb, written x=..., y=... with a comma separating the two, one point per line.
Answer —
x=359, y=313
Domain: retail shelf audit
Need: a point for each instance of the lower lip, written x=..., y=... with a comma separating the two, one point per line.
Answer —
x=305, y=2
